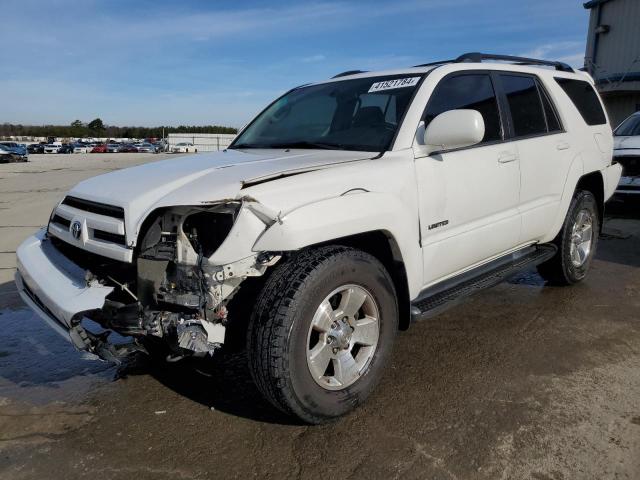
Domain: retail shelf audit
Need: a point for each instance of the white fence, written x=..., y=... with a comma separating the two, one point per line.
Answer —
x=204, y=142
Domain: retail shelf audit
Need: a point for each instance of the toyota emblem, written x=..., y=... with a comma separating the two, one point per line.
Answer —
x=76, y=229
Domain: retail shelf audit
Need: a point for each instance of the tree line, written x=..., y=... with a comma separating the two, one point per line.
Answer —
x=96, y=128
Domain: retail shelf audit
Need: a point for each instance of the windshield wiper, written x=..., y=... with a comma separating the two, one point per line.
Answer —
x=305, y=144
x=247, y=145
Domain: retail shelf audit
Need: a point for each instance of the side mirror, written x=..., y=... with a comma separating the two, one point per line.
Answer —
x=454, y=129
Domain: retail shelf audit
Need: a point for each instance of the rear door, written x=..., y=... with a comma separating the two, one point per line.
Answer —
x=468, y=196
x=544, y=149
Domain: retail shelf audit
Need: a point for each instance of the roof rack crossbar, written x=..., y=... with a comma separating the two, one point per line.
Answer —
x=431, y=64
x=479, y=57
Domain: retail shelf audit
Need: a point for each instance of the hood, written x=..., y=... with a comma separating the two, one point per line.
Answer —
x=199, y=179
x=624, y=143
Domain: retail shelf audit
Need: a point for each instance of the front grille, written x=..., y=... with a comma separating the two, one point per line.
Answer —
x=630, y=165
x=109, y=237
x=61, y=221
x=98, y=264
x=94, y=207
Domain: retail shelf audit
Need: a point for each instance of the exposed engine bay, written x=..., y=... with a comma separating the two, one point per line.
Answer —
x=177, y=289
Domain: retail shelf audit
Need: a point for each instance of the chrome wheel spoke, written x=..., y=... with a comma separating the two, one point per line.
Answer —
x=581, y=238
x=323, y=317
x=366, y=331
x=345, y=368
x=319, y=358
x=351, y=301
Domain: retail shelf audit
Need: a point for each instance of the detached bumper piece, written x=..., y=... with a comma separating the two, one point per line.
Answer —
x=57, y=290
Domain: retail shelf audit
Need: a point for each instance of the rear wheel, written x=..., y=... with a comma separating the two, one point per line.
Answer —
x=576, y=242
x=321, y=332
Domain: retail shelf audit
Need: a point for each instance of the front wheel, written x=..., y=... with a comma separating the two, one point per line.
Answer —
x=576, y=242
x=321, y=332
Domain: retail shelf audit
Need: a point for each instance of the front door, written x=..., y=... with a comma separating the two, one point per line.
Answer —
x=468, y=197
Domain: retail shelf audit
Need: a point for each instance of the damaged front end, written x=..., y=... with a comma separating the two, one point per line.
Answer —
x=187, y=265
x=190, y=262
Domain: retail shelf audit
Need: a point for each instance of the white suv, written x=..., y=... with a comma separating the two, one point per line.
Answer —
x=344, y=210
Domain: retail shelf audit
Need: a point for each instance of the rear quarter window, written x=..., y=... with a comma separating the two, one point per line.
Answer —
x=585, y=99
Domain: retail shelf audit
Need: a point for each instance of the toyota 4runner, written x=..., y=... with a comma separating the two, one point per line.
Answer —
x=346, y=209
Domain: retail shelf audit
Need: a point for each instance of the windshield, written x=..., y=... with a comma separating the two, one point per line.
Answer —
x=361, y=114
x=628, y=128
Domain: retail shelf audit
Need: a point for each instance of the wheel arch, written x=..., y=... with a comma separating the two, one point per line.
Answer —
x=382, y=245
x=594, y=183
x=352, y=216
x=578, y=180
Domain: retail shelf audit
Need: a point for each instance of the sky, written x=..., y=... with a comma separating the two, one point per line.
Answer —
x=200, y=62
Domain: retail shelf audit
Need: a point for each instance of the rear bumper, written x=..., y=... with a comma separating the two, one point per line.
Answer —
x=611, y=176
x=55, y=288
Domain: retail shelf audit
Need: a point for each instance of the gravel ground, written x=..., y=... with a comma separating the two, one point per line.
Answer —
x=521, y=381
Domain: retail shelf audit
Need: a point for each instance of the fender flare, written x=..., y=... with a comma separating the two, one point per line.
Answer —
x=346, y=215
x=575, y=172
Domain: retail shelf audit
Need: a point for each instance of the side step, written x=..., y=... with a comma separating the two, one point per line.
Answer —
x=440, y=297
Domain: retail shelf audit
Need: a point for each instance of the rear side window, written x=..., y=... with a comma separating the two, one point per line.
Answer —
x=585, y=99
x=524, y=102
x=553, y=123
x=474, y=92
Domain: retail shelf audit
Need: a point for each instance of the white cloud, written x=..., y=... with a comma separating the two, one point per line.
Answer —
x=571, y=52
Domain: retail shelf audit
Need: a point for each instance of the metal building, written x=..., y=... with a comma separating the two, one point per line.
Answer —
x=613, y=54
x=204, y=142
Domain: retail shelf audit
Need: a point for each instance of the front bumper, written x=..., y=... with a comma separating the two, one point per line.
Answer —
x=628, y=186
x=55, y=288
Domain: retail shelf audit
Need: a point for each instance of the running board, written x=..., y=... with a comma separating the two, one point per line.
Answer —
x=438, y=298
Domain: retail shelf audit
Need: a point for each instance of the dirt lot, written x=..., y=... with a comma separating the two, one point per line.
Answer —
x=522, y=381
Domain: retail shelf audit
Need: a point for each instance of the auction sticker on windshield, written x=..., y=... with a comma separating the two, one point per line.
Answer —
x=391, y=84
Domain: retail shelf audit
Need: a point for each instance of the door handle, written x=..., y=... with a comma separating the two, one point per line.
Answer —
x=506, y=157
x=563, y=146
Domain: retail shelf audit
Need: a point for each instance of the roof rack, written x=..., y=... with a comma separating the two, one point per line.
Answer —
x=348, y=72
x=478, y=57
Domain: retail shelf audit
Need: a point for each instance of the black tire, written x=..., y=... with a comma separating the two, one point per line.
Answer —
x=280, y=322
x=560, y=270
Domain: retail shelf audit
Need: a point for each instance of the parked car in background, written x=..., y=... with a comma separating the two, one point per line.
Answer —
x=19, y=148
x=7, y=155
x=113, y=147
x=146, y=148
x=66, y=148
x=627, y=153
x=183, y=147
x=82, y=148
x=52, y=147
x=101, y=148
x=127, y=148
x=36, y=148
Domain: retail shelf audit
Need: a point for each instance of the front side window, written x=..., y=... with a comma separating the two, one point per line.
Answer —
x=467, y=91
x=524, y=103
x=585, y=99
x=628, y=128
x=361, y=114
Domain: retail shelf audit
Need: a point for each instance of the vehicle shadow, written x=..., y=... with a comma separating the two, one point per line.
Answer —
x=221, y=383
